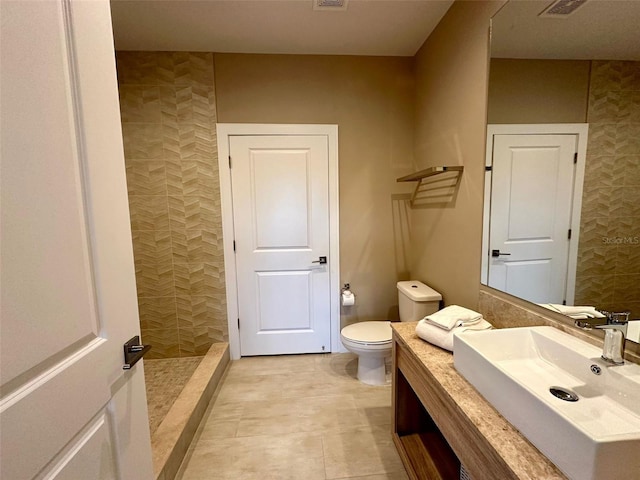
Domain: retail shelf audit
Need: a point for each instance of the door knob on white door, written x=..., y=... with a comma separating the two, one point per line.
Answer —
x=497, y=253
x=321, y=260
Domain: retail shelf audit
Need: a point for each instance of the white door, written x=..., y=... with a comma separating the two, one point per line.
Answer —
x=531, y=202
x=68, y=410
x=281, y=222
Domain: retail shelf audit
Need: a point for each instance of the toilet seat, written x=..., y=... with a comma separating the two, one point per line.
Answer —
x=376, y=334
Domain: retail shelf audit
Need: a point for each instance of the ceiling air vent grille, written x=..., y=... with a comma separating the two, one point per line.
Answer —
x=330, y=4
x=562, y=8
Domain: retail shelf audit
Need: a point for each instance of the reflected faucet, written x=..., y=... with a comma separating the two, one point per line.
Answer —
x=615, y=331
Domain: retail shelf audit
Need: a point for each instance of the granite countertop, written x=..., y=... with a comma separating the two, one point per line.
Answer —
x=522, y=457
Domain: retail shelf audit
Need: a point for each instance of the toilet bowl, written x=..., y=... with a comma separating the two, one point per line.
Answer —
x=371, y=340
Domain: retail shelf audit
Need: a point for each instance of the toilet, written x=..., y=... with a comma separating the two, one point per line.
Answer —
x=371, y=341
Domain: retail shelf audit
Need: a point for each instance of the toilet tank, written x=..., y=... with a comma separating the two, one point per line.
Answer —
x=416, y=300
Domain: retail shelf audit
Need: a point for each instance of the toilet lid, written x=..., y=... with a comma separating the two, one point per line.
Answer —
x=368, y=332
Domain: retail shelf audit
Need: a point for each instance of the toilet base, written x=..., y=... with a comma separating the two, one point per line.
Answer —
x=372, y=369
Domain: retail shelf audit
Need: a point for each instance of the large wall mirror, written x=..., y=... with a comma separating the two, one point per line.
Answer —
x=573, y=71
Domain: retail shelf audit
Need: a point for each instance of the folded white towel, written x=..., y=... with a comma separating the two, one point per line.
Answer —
x=575, y=312
x=453, y=316
x=444, y=338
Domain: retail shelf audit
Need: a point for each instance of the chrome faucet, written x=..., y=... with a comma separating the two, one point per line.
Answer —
x=615, y=331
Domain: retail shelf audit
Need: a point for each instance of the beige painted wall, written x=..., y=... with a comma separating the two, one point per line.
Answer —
x=370, y=99
x=538, y=91
x=451, y=108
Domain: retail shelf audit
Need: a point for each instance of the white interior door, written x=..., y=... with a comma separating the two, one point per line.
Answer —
x=68, y=410
x=531, y=204
x=281, y=222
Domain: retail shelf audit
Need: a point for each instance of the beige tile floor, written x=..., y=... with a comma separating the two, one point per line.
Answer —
x=295, y=417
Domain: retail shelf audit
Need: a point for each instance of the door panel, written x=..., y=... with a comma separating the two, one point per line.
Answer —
x=281, y=222
x=57, y=196
x=67, y=409
x=521, y=275
x=531, y=170
x=48, y=410
x=78, y=460
x=297, y=285
x=531, y=200
x=280, y=192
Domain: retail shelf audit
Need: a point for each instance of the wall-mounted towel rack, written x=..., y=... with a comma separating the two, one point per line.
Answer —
x=428, y=172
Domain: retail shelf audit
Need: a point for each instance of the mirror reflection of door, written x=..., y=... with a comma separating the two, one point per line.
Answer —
x=532, y=190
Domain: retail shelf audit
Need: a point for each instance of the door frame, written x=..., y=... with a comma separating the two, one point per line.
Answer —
x=226, y=130
x=581, y=131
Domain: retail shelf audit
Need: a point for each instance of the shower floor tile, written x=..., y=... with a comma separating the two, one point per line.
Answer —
x=295, y=417
x=165, y=378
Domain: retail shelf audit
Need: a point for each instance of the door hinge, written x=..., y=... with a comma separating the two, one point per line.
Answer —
x=569, y=235
x=564, y=302
x=234, y=245
x=575, y=157
x=488, y=168
x=229, y=161
x=238, y=324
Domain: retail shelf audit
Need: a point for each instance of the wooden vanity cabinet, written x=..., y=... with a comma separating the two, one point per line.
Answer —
x=432, y=435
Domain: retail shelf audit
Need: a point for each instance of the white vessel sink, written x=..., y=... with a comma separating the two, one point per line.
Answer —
x=595, y=437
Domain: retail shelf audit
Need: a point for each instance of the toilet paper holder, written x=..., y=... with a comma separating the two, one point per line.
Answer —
x=347, y=296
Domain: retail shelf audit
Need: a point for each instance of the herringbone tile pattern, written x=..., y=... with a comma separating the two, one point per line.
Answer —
x=192, y=212
x=155, y=280
x=146, y=177
x=167, y=102
x=158, y=312
x=196, y=246
x=143, y=103
x=152, y=247
x=194, y=341
x=191, y=178
x=149, y=212
x=142, y=141
x=609, y=252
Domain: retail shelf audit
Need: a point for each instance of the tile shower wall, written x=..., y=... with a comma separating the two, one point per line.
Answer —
x=609, y=252
x=168, y=121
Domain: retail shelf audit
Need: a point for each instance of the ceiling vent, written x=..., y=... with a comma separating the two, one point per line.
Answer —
x=333, y=5
x=562, y=8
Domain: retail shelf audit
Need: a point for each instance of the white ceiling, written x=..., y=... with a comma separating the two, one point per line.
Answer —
x=366, y=27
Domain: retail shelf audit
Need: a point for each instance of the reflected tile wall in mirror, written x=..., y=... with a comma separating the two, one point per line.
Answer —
x=608, y=273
